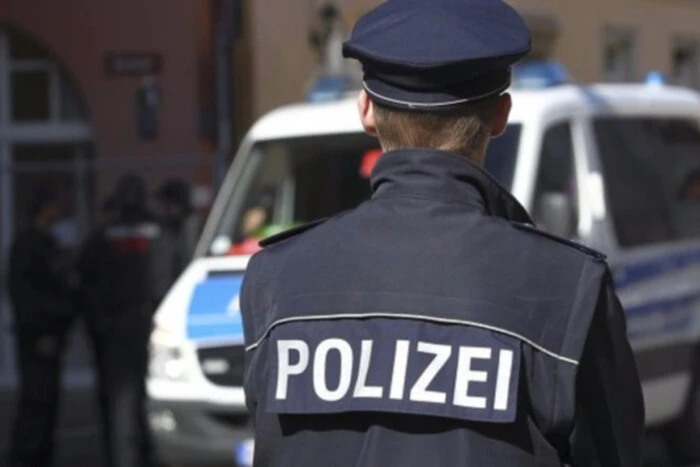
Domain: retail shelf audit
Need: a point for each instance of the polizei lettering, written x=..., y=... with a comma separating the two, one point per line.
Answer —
x=354, y=381
x=352, y=371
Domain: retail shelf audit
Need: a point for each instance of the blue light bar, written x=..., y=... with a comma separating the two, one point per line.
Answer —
x=656, y=78
x=540, y=75
x=329, y=88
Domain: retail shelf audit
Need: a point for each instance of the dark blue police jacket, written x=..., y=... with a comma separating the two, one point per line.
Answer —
x=434, y=326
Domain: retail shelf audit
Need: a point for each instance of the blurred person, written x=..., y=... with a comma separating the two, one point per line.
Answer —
x=259, y=213
x=435, y=324
x=41, y=297
x=257, y=221
x=117, y=269
x=180, y=231
x=94, y=267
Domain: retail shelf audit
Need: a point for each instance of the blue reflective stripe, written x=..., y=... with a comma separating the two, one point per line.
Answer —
x=645, y=270
x=656, y=317
x=674, y=314
x=214, y=312
x=669, y=315
x=670, y=326
x=666, y=304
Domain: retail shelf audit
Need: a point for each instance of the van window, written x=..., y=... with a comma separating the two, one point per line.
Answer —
x=555, y=187
x=651, y=168
x=288, y=182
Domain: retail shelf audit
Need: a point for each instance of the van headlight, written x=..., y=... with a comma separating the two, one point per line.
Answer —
x=166, y=360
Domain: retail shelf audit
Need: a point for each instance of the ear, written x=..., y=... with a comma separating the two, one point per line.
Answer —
x=366, y=109
x=500, y=119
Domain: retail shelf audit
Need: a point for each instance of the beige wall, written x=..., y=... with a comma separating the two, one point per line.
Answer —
x=282, y=59
x=582, y=25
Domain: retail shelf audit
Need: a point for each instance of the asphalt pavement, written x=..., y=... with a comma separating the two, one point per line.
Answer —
x=77, y=436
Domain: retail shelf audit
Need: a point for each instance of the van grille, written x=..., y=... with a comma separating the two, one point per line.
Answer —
x=223, y=366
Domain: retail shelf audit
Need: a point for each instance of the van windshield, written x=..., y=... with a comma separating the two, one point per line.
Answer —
x=288, y=182
x=651, y=166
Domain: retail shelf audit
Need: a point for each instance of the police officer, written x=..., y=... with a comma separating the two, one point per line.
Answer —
x=117, y=266
x=180, y=231
x=94, y=267
x=41, y=296
x=434, y=325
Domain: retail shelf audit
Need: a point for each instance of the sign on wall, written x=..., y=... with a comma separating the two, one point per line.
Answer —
x=133, y=64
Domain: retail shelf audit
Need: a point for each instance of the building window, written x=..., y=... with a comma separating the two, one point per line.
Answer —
x=40, y=90
x=618, y=55
x=685, y=58
x=545, y=31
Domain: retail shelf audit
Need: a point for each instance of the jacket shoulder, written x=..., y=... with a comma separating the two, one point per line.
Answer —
x=531, y=229
x=287, y=234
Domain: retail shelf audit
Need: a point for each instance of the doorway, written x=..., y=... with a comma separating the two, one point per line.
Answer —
x=45, y=139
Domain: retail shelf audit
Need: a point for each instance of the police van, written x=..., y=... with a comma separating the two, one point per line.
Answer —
x=616, y=167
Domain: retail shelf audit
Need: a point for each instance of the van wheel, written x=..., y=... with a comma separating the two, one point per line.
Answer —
x=683, y=435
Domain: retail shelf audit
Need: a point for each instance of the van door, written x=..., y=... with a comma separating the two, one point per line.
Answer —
x=555, y=198
x=651, y=172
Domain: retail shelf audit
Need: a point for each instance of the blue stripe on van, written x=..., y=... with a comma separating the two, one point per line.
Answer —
x=650, y=269
x=214, y=312
x=674, y=314
x=667, y=304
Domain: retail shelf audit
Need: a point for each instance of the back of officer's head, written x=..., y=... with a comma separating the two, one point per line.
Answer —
x=465, y=130
x=436, y=72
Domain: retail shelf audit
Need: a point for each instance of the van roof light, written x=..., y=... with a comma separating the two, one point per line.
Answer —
x=540, y=75
x=331, y=87
x=656, y=78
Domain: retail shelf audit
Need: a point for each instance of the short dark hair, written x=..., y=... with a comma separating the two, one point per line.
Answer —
x=461, y=130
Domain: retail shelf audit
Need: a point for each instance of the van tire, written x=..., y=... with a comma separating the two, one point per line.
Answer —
x=683, y=436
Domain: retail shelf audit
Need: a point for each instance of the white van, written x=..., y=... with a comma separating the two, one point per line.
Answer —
x=616, y=167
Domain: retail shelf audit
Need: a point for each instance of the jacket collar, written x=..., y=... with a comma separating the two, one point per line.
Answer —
x=445, y=177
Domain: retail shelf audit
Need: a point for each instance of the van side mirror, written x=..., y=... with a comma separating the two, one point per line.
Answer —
x=554, y=212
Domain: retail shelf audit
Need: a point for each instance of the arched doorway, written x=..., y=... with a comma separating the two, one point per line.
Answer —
x=45, y=138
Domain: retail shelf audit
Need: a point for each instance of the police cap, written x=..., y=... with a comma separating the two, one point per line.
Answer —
x=436, y=55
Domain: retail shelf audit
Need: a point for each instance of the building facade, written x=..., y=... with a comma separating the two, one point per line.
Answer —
x=91, y=90
x=95, y=89
x=597, y=40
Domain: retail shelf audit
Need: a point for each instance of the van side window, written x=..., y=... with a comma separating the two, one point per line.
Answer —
x=555, y=201
x=651, y=168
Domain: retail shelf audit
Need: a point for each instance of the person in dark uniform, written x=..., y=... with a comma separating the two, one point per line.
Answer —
x=180, y=231
x=94, y=267
x=434, y=325
x=41, y=298
x=117, y=275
